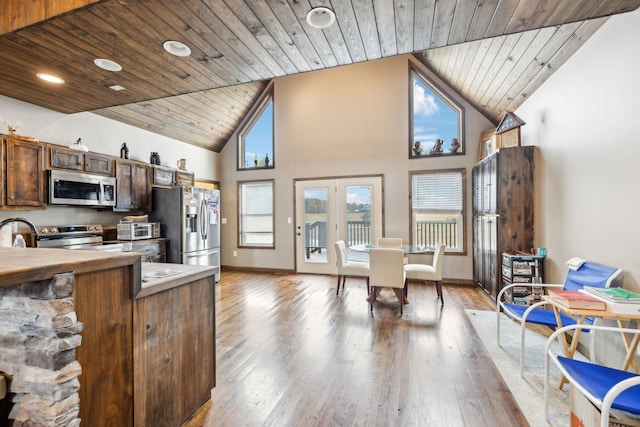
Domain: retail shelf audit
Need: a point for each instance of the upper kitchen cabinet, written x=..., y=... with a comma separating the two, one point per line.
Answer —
x=133, y=191
x=66, y=158
x=22, y=180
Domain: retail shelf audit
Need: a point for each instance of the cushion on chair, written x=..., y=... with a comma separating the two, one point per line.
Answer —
x=598, y=380
x=539, y=316
x=355, y=268
x=420, y=272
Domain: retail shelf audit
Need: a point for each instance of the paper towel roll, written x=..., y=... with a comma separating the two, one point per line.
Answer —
x=5, y=236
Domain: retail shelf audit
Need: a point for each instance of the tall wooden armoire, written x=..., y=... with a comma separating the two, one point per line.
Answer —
x=503, y=194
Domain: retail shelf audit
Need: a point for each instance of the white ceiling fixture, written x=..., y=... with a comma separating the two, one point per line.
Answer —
x=176, y=48
x=117, y=88
x=321, y=17
x=50, y=78
x=107, y=64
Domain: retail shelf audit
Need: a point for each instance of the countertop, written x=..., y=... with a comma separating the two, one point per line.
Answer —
x=179, y=275
x=19, y=265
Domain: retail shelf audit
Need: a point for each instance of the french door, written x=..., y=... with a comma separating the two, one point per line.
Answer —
x=328, y=210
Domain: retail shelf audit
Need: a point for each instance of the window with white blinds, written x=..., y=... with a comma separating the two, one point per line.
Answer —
x=256, y=214
x=437, y=208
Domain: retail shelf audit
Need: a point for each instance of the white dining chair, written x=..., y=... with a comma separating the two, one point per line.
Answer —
x=426, y=272
x=391, y=242
x=386, y=271
x=349, y=268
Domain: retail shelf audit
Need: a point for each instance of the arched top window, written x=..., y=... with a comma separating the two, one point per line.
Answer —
x=436, y=120
x=255, y=139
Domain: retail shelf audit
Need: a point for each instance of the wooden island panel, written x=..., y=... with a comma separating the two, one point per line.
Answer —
x=103, y=303
x=174, y=353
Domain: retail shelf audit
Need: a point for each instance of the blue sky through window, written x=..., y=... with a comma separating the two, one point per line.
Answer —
x=259, y=140
x=433, y=119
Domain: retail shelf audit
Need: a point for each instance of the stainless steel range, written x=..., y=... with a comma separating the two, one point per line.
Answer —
x=88, y=236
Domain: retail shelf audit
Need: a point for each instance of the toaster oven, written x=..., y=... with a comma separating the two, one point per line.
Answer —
x=138, y=230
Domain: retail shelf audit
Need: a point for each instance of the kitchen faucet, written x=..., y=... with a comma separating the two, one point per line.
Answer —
x=31, y=225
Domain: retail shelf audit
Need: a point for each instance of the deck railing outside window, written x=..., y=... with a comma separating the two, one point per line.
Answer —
x=429, y=233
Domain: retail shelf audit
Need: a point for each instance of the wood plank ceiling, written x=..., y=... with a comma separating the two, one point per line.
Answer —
x=495, y=53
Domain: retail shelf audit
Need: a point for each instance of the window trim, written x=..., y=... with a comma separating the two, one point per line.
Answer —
x=240, y=214
x=247, y=124
x=445, y=98
x=462, y=236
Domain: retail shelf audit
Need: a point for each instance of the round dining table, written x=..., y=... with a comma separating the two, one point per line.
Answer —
x=408, y=249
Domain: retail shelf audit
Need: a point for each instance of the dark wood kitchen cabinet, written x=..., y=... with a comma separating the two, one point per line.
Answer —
x=65, y=158
x=22, y=180
x=503, y=193
x=133, y=186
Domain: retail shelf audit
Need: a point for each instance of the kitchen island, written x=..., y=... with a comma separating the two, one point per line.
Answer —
x=118, y=342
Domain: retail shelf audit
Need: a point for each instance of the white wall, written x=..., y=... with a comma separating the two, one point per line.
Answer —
x=344, y=121
x=585, y=120
x=101, y=135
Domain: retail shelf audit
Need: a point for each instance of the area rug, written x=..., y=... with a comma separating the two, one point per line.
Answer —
x=528, y=390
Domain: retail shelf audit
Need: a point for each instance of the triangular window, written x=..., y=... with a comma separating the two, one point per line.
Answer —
x=255, y=139
x=436, y=120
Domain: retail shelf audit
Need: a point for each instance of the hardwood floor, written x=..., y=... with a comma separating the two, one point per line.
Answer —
x=292, y=353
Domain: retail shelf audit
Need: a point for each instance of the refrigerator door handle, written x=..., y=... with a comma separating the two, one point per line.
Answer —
x=202, y=253
x=203, y=219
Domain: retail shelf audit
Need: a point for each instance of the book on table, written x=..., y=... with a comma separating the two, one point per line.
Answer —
x=577, y=299
x=614, y=294
x=618, y=300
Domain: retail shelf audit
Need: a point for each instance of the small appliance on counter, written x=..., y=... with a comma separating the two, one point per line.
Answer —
x=131, y=230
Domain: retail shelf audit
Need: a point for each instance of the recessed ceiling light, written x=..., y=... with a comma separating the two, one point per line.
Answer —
x=50, y=78
x=117, y=88
x=176, y=48
x=107, y=64
x=321, y=17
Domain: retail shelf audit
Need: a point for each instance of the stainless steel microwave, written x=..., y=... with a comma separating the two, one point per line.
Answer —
x=81, y=189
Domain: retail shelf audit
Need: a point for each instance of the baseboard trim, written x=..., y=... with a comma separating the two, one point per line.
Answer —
x=258, y=269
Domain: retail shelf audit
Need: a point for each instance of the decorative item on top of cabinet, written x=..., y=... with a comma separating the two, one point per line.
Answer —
x=503, y=188
x=487, y=144
x=508, y=131
x=133, y=191
x=22, y=181
x=184, y=178
x=163, y=177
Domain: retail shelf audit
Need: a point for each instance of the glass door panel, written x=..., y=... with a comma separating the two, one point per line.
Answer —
x=315, y=224
x=348, y=209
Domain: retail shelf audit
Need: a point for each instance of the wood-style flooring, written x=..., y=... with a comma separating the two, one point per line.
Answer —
x=292, y=353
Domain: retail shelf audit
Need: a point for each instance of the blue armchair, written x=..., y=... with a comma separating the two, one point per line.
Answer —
x=578, y=276
x=606, y=387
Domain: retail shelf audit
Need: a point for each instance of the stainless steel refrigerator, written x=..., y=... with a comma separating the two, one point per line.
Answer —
x=190, y=220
